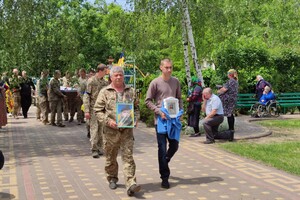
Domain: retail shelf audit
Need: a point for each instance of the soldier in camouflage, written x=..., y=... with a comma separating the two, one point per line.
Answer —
x=55, y=99
x=82, y=84
x=42, y=91
x=94, y=85
x=66, y=82
x=115, y=138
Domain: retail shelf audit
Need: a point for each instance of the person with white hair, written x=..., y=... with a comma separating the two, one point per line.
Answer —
x=267, y=96
x=260, y=86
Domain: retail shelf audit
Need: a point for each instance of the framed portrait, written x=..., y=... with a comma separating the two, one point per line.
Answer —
x=172, y=105
x=125, y=115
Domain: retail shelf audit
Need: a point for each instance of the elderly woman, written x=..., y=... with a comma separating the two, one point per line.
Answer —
x=228, y=95
x=267, y=96
x=260, y=86
x=195, y=99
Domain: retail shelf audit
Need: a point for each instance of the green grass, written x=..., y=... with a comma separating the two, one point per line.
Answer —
x=289, y=123
x=283, y=155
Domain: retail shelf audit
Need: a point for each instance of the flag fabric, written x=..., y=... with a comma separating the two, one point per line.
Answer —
x=121, y=60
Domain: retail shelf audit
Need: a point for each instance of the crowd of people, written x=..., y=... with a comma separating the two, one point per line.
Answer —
x=95, y=99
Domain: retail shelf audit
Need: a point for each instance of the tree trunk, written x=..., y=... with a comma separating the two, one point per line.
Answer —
x=191, y=39
x=186, y=54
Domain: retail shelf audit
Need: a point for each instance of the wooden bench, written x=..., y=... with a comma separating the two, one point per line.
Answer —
x=246, y=100
x=288, y=100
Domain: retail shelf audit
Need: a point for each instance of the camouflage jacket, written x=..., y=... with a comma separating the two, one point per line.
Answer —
x=42, y=86
x=94, y=85
x=82, y=86
x=54, y=92
x=105, y=106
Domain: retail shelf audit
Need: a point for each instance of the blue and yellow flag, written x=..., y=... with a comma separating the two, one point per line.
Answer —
x=121, y=60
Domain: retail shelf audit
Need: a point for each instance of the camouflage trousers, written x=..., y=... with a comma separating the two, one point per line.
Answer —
x=115, y=140
x=44, y=106
x=38, y=108
x=17, y=103
x=96, y=130
x=56, y=107
x=75, y=106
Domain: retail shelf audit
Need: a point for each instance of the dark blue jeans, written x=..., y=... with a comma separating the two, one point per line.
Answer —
x=164, y=154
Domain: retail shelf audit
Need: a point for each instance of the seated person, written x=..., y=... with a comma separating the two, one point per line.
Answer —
x=267, y=96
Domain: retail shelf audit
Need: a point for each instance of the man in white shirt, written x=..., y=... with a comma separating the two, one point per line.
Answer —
x=213, y=108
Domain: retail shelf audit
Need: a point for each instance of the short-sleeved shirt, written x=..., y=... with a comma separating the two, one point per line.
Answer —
x=214, y=103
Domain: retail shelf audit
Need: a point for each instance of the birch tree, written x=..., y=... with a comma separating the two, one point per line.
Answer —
x=187, y=29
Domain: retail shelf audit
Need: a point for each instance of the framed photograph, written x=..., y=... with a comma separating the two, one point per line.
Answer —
x=172, y=105
x=125, y=115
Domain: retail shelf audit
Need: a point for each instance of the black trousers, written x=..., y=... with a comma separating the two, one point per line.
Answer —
x=211, y=126
x=165, y=154
x=25, y=104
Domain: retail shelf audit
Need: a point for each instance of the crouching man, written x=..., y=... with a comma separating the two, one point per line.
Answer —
x=213, y=108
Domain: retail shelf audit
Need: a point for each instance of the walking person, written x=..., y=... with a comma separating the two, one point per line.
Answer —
x=194, y=107
x=117, y=138
x=15, y=88
x=42, y=91
x=228, y=95
x=94, y=85
x=55, y=99
x=81, y=89
x=159, y=89
x=26, y=93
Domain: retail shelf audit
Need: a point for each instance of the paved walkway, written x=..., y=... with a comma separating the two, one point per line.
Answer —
x=46, y=162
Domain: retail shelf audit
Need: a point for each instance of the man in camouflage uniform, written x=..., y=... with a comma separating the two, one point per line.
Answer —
x=15, y=85
x=42, y=92
x=55, y=99
x=66, y=82
x=94, y=85
x=82, y=84
x=116, y=138
x=37, y=100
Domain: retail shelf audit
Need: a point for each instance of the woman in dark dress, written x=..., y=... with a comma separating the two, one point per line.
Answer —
x=228, y=95
x=194, y=108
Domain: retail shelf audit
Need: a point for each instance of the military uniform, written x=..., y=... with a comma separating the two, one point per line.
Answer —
x=37, y=101
x=82, y=84
x=42, y=91
x=55, y=101
x=16, y=87
x=115, y=139
x=66, y=82
x=94, y=85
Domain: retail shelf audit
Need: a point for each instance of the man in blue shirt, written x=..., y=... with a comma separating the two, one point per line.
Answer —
x=213, y=108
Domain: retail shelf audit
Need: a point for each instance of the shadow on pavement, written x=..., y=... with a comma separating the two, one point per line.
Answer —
x=7, y=196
